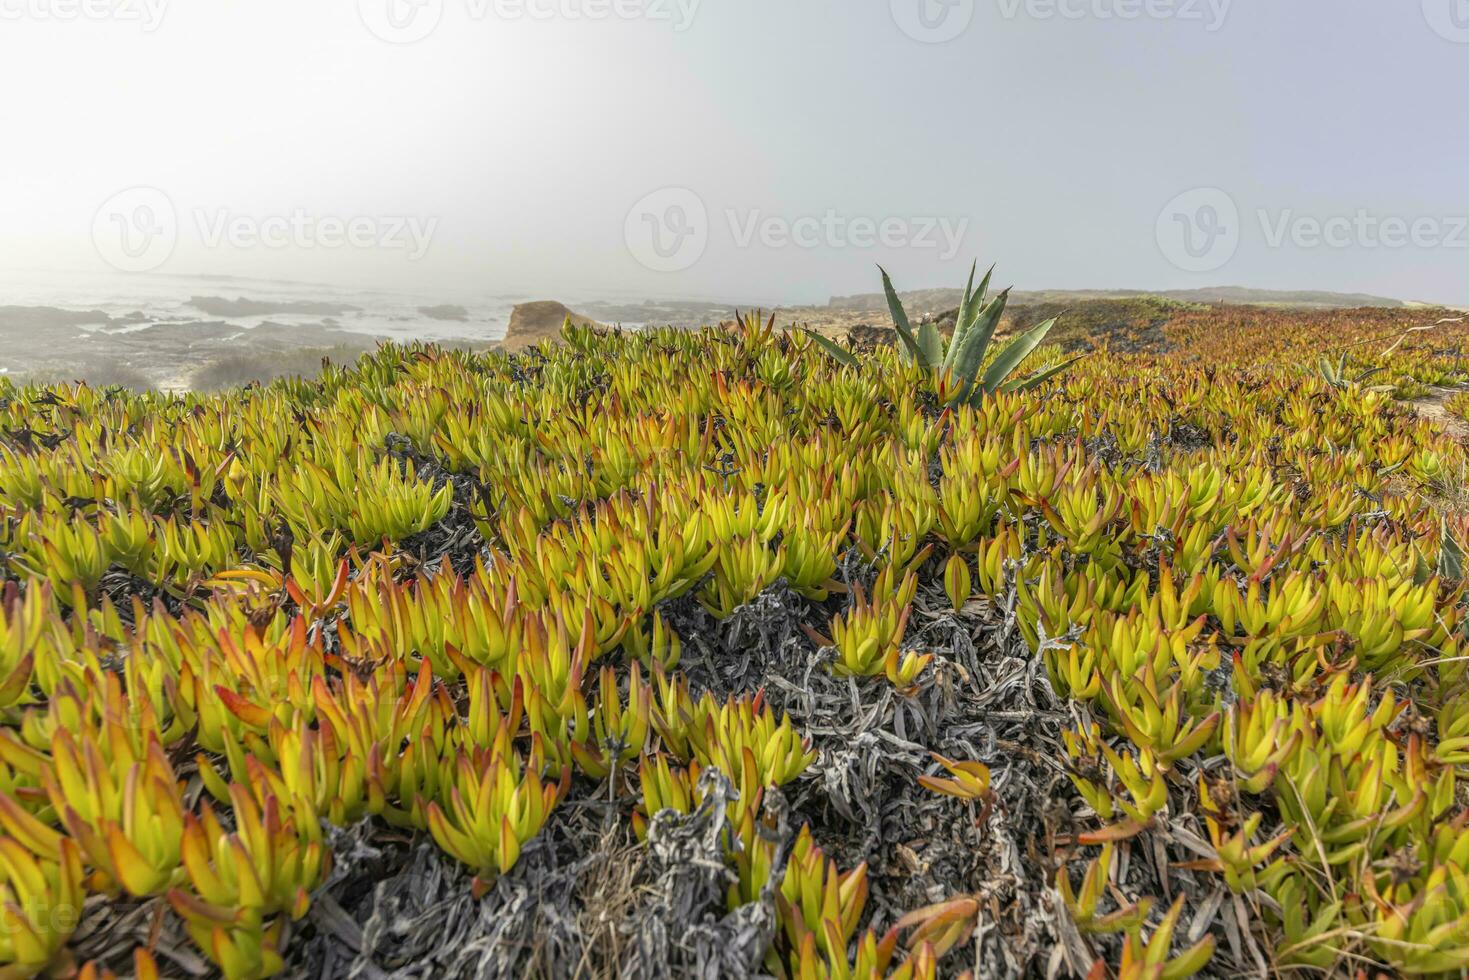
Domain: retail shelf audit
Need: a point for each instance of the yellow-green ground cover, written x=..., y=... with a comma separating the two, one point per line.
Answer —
x=456, y=598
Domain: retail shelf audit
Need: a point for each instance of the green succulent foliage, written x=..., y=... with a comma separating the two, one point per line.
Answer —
x=1336, y=374
x=961, y=363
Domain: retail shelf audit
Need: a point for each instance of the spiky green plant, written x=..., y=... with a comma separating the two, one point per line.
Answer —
x=1336, y=374
x=958, y=369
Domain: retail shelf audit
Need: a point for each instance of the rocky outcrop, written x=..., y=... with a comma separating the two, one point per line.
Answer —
x=864, y=336
x=531, y=323
x=448, y=311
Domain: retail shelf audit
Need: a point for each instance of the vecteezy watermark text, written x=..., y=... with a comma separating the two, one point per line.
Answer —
x=138, y=229
x=146, y=13
x=300, y=229
x=831, y=229
x=933, y=21
x=679, y=14
x=407, y=21
x=667, y=230
x=1210, y=13
x=1363, y=229
x=670, y=229
x=1200, y=230
x=937, y=21
x=1448, y=18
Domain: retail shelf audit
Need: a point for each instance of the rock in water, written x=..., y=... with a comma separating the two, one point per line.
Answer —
x=446, y=312
x=531, y=323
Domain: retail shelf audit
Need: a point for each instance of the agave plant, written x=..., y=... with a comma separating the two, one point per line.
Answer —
x=958, y=368
x=1337, y=376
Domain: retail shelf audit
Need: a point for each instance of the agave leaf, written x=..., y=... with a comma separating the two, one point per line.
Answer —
x=970, y=354
x=837, y=352
x=975, y=298
x=1040, y=377
x=1421, y=571
x=984, y=289
x=1009, y=359
x=961, y=321
x=900, y=317
x=969, y=310
x=1450, y=555
x=930, y=344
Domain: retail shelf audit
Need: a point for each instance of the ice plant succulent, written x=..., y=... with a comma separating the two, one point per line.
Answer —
x=868, y=638
x=431, y=592
x=496, y=804
x=41, y=895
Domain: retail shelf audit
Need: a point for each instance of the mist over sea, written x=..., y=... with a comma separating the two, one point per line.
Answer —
x=136, y=302
x=182, y=332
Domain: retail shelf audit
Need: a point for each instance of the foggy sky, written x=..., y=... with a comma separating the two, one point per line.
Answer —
x=818, y=136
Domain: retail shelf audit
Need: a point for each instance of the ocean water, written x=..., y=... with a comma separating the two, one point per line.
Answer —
x=393, y=314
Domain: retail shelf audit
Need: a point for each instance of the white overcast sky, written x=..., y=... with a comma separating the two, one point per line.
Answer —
x=1053, y=136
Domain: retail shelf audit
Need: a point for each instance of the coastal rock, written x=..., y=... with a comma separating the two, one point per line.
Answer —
x=447, y=311
x=29, y=318
x=531, y=323
x=864, y=336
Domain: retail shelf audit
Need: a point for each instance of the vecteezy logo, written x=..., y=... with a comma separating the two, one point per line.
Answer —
x=668, y=230
x=401, y=21
x=136, y=230
x=1199, y=230
x=1449, y=18
x=933, y=21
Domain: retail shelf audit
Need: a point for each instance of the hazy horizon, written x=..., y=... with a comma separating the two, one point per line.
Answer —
x=701, y=150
